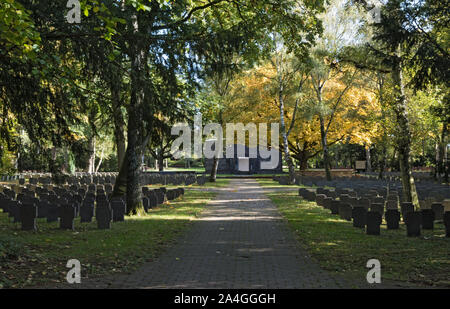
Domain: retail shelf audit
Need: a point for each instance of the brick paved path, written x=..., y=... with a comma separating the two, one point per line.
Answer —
x=240, y=241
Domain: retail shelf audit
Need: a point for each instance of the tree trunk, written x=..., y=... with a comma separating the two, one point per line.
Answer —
x=404, y=136
x=119, y=124
x=99, y=162
x=436, y=160
x=393, y=164
x=160, y=163
x=215, y=165
x=368, y=159
x=287, y=156
x=441, y=152
x=382, y=161
x=52, y=164
x=134, y=137
x=304, y=160
x=91, y=165
x=134, y=203
x=382, y=155
x=120, y=187
x=446, y=165
x=326, y=158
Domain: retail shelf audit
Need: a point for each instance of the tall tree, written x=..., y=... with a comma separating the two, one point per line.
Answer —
x=182, y=38
x=405, y=41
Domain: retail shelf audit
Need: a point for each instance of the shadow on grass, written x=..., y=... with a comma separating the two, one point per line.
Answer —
x=34, y=258
x=344, y=249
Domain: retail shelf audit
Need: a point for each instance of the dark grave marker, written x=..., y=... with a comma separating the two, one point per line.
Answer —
x=87, y=211
x=446, y=218
x=108, y=188
x=364, y=202
x=377, y=200
x=359, y=215
x=378, y=208
x=78, y=198
x=353, y=201
x=161, y=196
x=353, y=194
x=42, y=207
x=146, y=203
x=181, y=191
x=345, y=211
x=67, y=214
x=103, y=215
x=311, y=196
x=302, y=192
x=170, y=195
x=373, y=223
x=118, y=209
x=320, y=191
x=6, y=206
x=176, y=193
x=90, y=196
x=101, y=198
x=413, y=223
x=392, y=204
x=3, y=204
x=392, y=217
x=334, y=207
x=427, y=219
x=332, y=194
x=405, y=208
x=320, y=199
x=327, y=203
x=14, y=210
x=438, y=210
x=344, y=198
x=153, y=201
x=28, y=215
x=52, y=213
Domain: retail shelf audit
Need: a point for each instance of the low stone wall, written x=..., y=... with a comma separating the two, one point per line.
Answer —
x=320, y=172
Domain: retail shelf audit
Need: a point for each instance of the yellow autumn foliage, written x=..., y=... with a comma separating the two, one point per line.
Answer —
x=255, y=99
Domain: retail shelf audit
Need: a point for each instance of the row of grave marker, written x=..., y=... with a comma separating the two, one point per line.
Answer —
x=368, y=213
x=26, y=207
x=428, y=193
x=110, y=178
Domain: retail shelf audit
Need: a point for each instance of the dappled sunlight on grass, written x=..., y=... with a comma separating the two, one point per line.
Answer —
x=122, y=248
x=341, y=248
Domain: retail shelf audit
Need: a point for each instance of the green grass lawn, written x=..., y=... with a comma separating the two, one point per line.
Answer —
x=35, y=258
x=343, y=249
